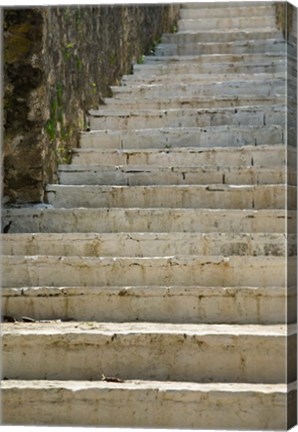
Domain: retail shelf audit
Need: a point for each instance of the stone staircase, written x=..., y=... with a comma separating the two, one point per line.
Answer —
x=156, y=277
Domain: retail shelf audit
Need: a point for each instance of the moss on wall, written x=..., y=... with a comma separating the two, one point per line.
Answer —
x=58, y=63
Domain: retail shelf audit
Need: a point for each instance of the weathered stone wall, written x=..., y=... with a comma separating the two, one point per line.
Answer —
x=58, y=63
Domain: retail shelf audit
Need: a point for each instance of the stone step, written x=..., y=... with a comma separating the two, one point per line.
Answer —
x=218, y=35
x=173, y=196
x=258, y=156
x=216, y=59
x=170, y=138
x=146, y=244
x=137, y=175
x=235, y=88
x=84, y=220
x=237, y=47
x=187, y=117
x=193, y=21
x=245, y=11
x=150, y=351
x=190, y=78
x=193, y=102
x=223, y=7
x=224, y=64
x=39, y=270
x=149, y=404
x=172, y=304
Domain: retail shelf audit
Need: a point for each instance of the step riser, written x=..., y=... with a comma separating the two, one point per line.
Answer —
x=143, y=244
x=211, y=137
x=199, y=103
x=212, y=68
x=248, y=47
x=148, y=356
x=152, y=304
x=232, y=12
x=241, y=88
x=187, y=24
x=171, y=176
x=255, y=197
x=89, y=271
x=193, y=78
x=220, y=36
x=153, y=406
x=245, y=157
x=224, y=7
x=148, y=220
x=243, y=117
x=215, y=59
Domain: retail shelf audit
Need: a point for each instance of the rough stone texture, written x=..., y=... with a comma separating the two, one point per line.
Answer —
x=58, y=63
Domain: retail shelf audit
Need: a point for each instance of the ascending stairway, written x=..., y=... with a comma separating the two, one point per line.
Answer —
x=156, y=275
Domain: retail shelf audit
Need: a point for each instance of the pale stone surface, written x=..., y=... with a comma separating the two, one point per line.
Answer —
x=174, y=352
x=167, y=245
x=149, y=404
x=148, y=220
x=193, y=304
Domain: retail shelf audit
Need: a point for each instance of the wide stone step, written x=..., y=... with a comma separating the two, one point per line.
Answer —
x=138, y=175
x=149, y=404
x=85, y=220
x=172, y=304
x=19, y=271
x=151, y=351
x=245, y=11
x=184, y=102
x=217, y=35
x=235, y=88
x=166, y=138
x=193, y=21
x=188, y=117
x=146, y=244
x=251, y=46
x=258, y=156
x=173, y=196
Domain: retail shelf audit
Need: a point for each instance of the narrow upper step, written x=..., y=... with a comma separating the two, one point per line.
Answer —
x=170, y=138
x=191, y=20
x=220, y=35
x=233, y=88
x=173, y=196
x=246, y=10
x=252, y=46
x=186, y=117
x=258, y=156
x=146, y=220
x=142, y=175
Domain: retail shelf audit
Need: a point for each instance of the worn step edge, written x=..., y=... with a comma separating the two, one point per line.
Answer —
x=145, y=176
x=193, y=304
x=209, y=270
x=149, y=351
x=95, y=244
x=45, y=219
x=149, y=404
x=186, y=196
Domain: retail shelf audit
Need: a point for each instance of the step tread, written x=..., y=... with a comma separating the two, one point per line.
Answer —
x=77, y=386
x=147, y=328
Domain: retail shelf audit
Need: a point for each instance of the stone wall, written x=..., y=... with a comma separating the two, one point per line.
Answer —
x=58, y=63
